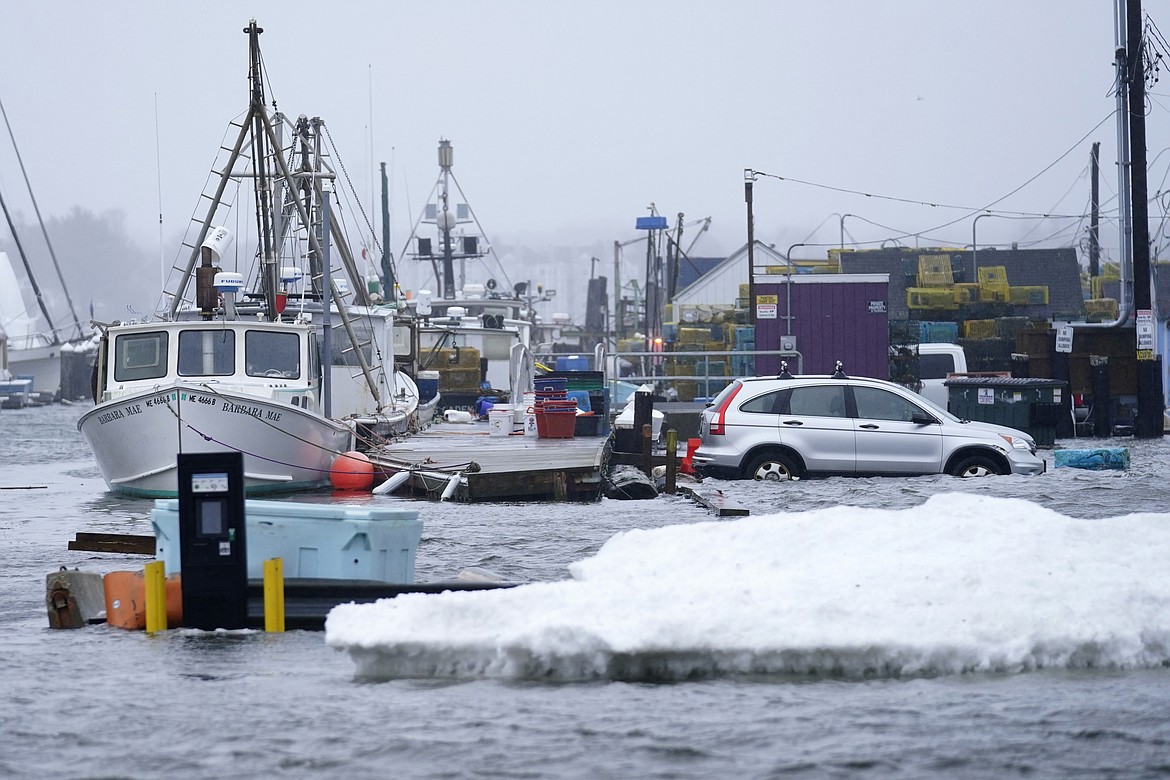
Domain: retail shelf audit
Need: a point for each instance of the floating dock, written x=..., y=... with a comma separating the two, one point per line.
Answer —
x=494, y=468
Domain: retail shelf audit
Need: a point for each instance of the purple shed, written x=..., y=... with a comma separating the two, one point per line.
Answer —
x=834, y=317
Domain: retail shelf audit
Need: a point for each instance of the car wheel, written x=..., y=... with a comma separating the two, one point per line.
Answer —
x=975, y=466
x=773, y=467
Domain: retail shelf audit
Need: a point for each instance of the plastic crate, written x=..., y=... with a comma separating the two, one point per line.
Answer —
x=935, y=271
x=556, y=425
x=965, y=294
x=979, y=329
x=993, y=275
x=938, y=332
x=929, y=298
x=1029, y=295
x=1101, y=308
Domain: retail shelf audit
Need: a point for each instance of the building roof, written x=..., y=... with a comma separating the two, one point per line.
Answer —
x=1056, y=269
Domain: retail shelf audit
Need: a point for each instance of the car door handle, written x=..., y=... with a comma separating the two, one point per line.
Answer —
x=793, y=422
x=869, y=426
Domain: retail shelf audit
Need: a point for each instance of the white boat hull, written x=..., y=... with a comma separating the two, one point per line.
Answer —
x=42, y=363
x=135, y=439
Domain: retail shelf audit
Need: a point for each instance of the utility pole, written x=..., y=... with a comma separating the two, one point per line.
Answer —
x=1148, y=424
x=751, y=254
x=1094, y=212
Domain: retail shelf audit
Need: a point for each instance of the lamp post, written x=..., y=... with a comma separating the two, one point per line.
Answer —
x=975, y=245
x=749, y=177
x=788, y=287
x=843, y=227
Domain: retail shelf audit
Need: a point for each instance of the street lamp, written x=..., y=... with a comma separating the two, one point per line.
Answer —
x=788, y=287
x=975, y=245
x=843, y=227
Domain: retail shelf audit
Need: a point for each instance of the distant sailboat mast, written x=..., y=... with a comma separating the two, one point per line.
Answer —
x=64, y=288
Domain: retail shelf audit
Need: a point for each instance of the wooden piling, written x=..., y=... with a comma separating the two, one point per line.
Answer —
x=671, y=460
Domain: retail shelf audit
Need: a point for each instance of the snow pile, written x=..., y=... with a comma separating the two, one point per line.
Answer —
x=960, y=583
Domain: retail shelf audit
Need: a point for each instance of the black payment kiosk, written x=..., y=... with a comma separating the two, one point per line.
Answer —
x=211, y=540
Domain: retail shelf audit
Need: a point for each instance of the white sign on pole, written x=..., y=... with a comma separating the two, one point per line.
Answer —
x=1145, y=329
x=1064, y=338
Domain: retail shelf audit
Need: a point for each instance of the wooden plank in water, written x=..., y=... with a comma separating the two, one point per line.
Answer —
x=130, y=544
x=716, y=502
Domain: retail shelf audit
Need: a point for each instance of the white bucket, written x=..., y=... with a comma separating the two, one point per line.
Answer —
x=530, y=428
x=499, y=422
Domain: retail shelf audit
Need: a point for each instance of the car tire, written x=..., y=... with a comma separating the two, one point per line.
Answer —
x=975, y=466
x=773, y=467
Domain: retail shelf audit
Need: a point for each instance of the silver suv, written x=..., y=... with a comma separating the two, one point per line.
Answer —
x=784, y=427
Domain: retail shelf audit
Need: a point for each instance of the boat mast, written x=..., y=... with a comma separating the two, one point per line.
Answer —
x=446, y=219
x=269, y=271
x=28, y=269
x=44, y=232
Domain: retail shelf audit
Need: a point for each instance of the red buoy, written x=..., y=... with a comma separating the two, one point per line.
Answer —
x=351, y=471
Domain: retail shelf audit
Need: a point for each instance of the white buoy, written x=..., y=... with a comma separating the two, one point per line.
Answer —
x=449, y=491
x=393, y=483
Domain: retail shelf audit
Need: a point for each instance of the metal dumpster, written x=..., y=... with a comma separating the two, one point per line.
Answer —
x=1030, y=405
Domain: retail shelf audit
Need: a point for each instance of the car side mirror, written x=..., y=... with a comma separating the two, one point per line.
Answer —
x=922, y=418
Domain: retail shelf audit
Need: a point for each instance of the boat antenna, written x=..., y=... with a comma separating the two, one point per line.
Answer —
x=45, y=233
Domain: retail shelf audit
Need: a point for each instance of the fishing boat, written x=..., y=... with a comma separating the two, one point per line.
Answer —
x=36, y=344
x=475, y=337
x=293, y=368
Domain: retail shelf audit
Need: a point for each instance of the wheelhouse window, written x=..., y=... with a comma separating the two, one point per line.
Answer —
x=341, y=350
x=272, y=354
x=140, y=356
x=207, y=352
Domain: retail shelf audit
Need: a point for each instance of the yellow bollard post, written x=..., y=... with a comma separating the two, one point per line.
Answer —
x=274, y=595
x=156, y=597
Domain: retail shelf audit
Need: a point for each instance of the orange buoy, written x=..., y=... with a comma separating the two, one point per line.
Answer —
x=351, y=471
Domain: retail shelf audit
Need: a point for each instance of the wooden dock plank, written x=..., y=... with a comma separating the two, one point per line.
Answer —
x=130, y=544
x=716, y=502
x=512, y=467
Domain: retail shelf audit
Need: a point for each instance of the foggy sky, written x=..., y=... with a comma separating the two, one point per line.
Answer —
x=569, y=120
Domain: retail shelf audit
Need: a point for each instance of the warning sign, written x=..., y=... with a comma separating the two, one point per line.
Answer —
x=772, y=299
x=986, y=395
x=1145, y=332
x=766, y=311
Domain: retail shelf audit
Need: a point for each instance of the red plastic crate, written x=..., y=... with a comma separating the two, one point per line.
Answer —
x=555, y=425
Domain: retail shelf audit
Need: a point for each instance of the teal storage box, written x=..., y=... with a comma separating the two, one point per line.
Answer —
x=328, y=541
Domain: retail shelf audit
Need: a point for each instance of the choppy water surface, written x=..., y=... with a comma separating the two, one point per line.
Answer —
x=105, y=703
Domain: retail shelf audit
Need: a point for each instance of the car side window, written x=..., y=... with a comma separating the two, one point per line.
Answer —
x=768, y=403
x=876, y=404
x=818, y=401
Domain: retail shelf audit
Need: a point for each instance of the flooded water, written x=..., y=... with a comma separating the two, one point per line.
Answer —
x=103, y=703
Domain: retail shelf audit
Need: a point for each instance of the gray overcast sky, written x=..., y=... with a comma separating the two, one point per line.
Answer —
x=568, y=120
